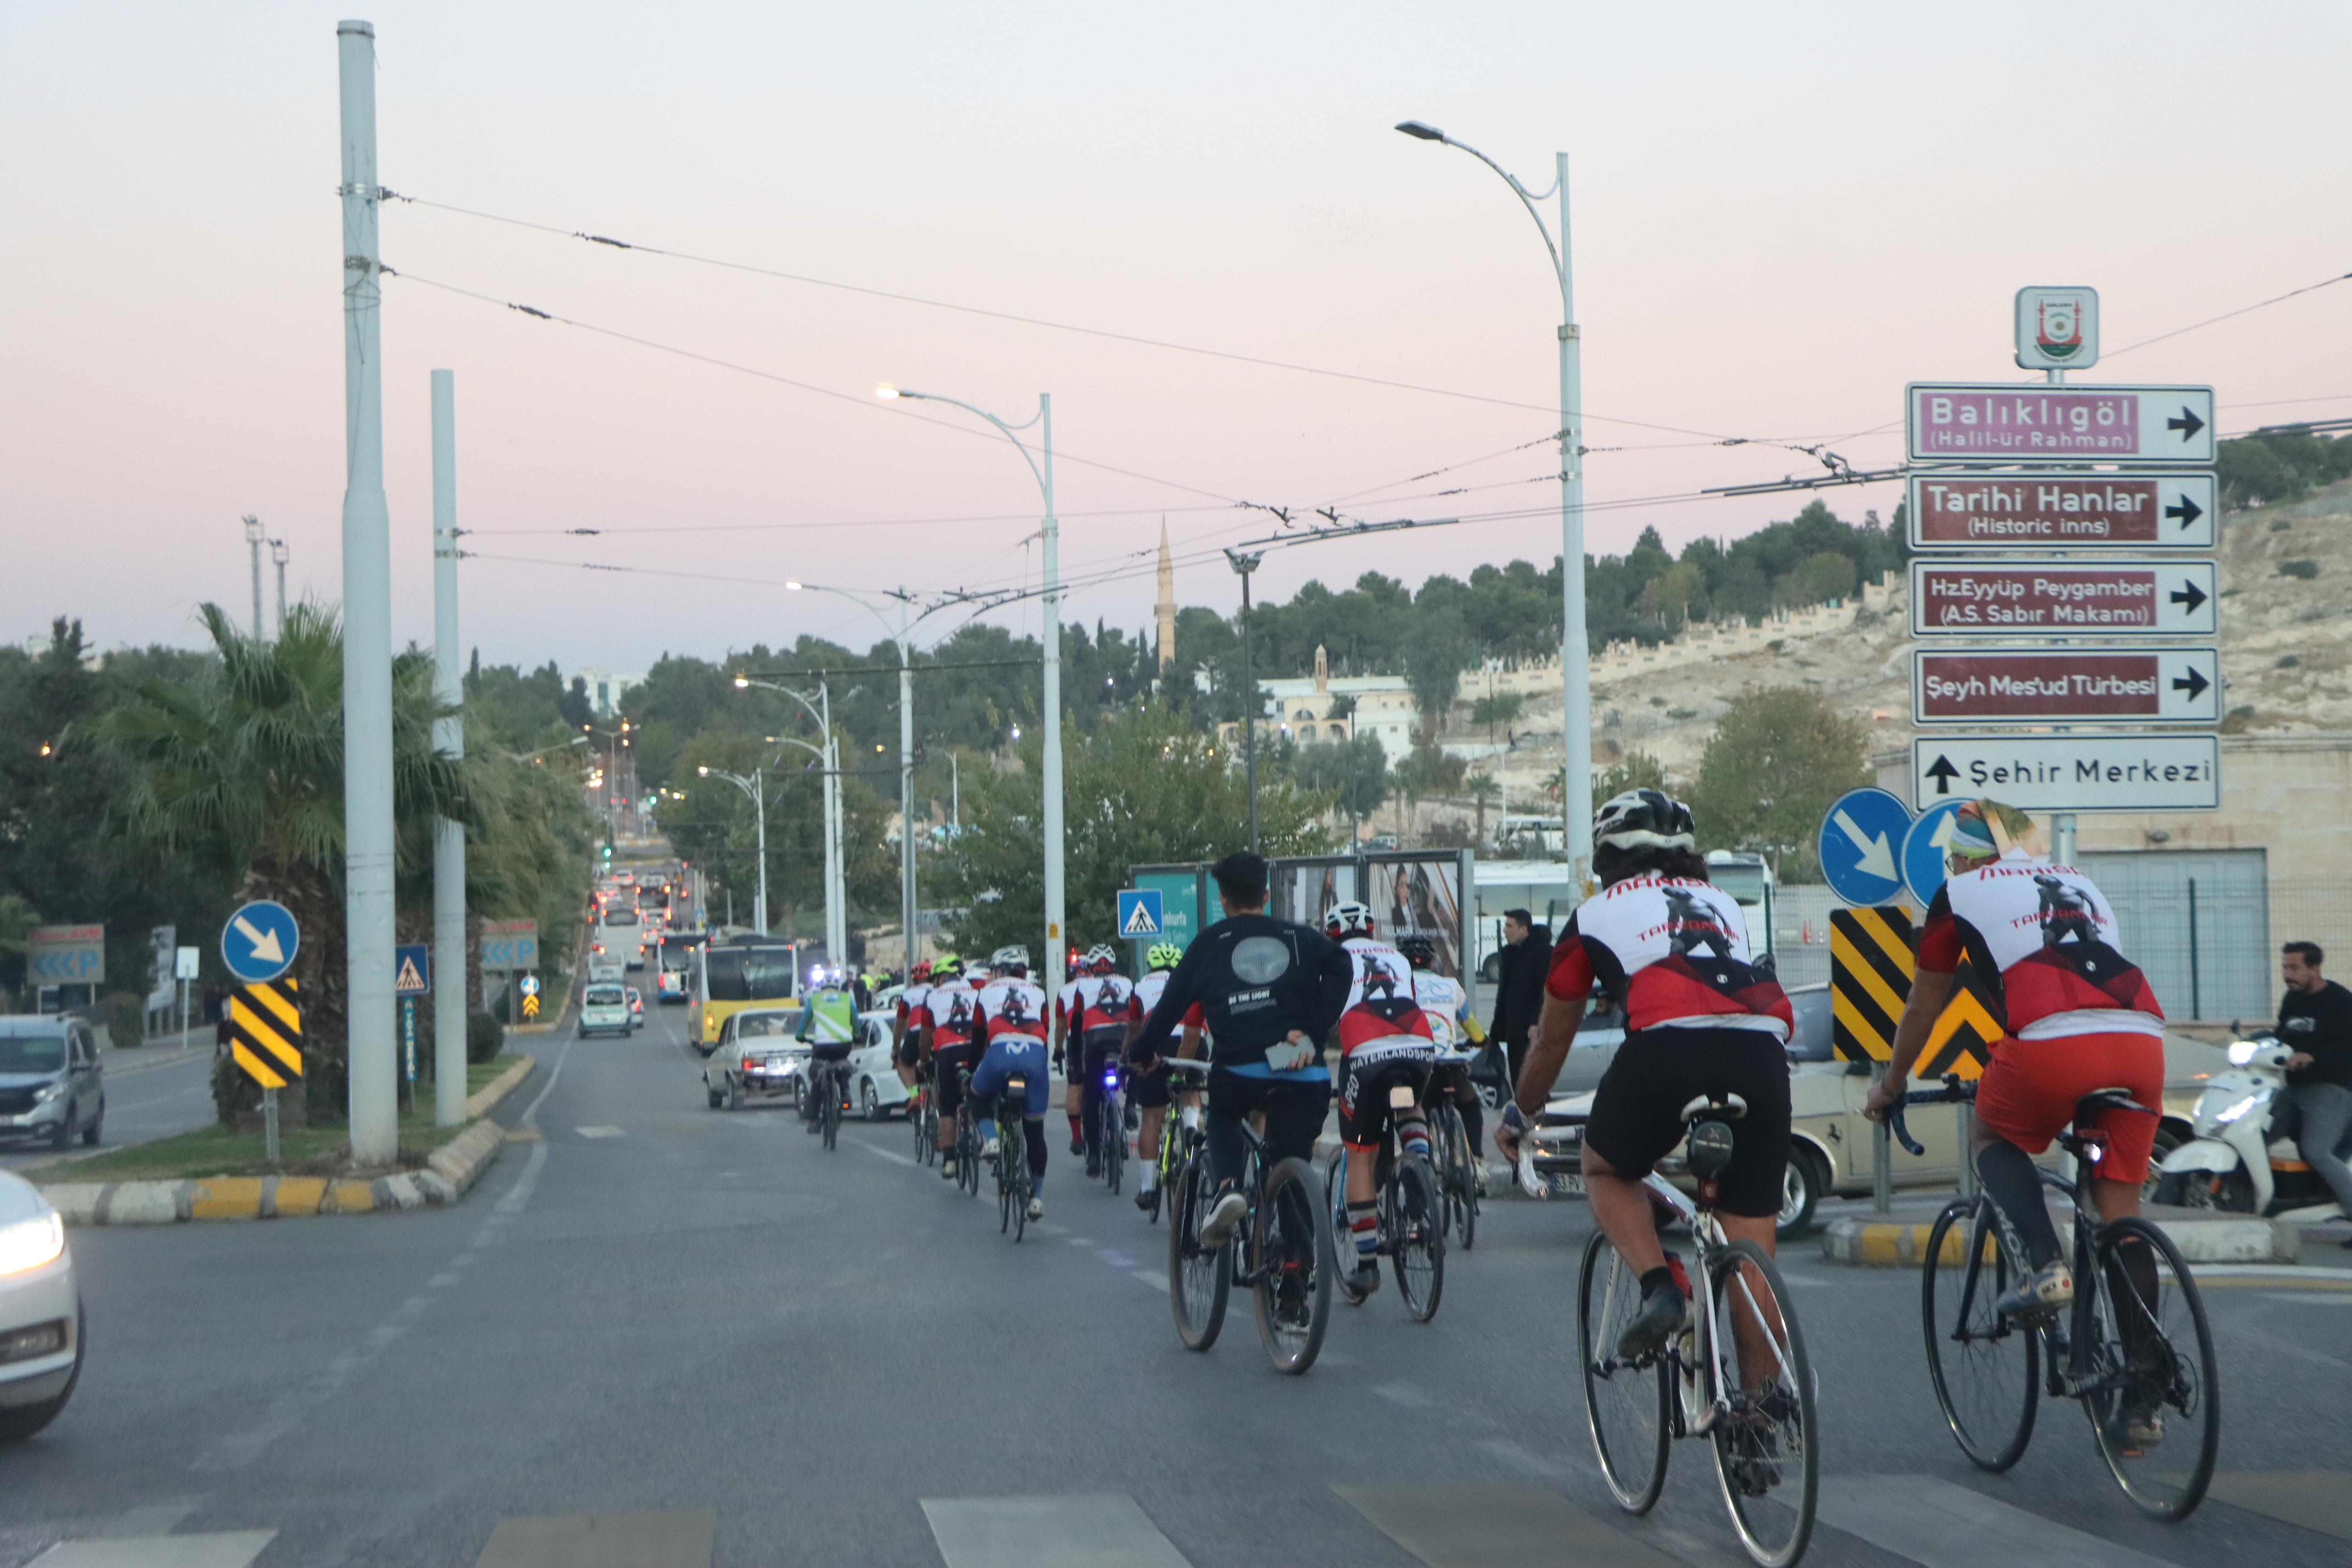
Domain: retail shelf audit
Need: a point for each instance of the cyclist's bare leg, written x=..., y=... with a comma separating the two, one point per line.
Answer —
x=1759, y=1355
x=1146, y=1134
x=1621, y=1208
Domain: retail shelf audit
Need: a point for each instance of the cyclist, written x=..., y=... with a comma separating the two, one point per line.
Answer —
x=1673, y=950
x=1445, y=1003
x=829, y=1030
x=1149, y=1089
x=1009, y=1020
x=1095, y=1004
x=906, y=1021
x=1269, y=991
x=2079, y=1017
x=949, y=1043
x=1385, y=1044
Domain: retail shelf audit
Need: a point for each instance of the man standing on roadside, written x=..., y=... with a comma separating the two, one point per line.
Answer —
x=1519, y=988
x=2315, y=1018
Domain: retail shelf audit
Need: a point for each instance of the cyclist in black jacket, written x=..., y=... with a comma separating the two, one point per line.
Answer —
x=1269, y=991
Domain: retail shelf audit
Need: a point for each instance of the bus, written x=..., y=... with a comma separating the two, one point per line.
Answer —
x=620, y=931
x=1747, y=877
x=728, y=976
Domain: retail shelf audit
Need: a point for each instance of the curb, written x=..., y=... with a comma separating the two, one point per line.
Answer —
x=1897, y=1244
x=449, y=1172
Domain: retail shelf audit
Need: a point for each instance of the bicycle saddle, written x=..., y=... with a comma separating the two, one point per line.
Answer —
x=1730, y=1108
x=2100, y=1099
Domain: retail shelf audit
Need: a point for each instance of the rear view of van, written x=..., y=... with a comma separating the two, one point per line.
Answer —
x=605, y=1009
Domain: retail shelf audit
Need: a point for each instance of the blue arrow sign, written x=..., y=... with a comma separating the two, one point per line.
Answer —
x=1924, y=848
x=1861, y=836
x=1141, y=916
x=261, y=941
x=412, y=969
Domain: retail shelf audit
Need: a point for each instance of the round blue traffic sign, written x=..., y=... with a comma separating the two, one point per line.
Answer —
x=1924, y=848
x=261, y=941
x=1861, y=836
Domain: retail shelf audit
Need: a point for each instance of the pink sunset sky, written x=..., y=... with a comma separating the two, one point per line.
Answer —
x=1781, y=215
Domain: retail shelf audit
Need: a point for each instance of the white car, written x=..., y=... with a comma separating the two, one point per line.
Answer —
x=605, y=1009
x=756, y=1057
x=40, y=1311
x=873, y=1086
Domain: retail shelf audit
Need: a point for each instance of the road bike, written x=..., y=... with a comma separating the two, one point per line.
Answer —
x=1111, y=1129
x=923, y=1116
x=1460, y=1172
x=966, y=1137
x=828, y=1081
x=1282, y=1251
x=1012, y=1158
x=2134, y=1344
x=1736, y=1374
x=1412, y=1217
x=1182, y=1139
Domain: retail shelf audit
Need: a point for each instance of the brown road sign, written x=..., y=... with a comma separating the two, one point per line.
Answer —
x=265, y=1031
x=1870, y=977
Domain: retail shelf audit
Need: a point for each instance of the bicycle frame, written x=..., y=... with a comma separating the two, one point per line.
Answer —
x=1699, y=1374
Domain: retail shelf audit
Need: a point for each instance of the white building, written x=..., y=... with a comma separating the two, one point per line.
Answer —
x=607, y=689
x=1301, y=707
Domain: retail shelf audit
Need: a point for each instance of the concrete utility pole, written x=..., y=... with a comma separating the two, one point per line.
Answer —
x=1575, y=658
x=278, y=554
x=367, y=631
x=1251, y=706
x=907, y=912
x=253, y=531
x=448, y=739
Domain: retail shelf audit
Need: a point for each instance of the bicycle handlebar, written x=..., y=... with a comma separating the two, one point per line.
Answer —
x=1955, y=1091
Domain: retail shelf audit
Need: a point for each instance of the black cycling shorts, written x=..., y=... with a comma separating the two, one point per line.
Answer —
x=945, y=1060
x=1365, y=1114
x=838, y=1051
x=1637, y=1110
x=1148, y=1090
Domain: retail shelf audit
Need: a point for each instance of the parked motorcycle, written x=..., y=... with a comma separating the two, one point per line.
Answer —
x=2234, y=1163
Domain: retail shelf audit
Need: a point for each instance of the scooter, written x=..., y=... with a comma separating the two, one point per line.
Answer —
x=2233, y=1164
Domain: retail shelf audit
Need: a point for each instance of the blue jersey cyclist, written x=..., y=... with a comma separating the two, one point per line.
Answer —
x=1269, y=991
x=1009, y=1019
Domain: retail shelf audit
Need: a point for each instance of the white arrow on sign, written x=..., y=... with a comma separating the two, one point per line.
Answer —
x=1877, y=857
x=265, y=943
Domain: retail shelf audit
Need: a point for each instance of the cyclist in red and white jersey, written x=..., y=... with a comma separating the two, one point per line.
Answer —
x=1385, y=1044
x=906, y=1024
x=1096, y=1004
x=1009, y=1016
x=950, y=1042
x=2079, y=1017
x=1700, y=1020
x=1445, y=1003
x=1149, y=1088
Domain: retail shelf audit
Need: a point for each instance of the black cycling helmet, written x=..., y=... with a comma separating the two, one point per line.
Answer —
x=1419, y=951
x=1643, y=819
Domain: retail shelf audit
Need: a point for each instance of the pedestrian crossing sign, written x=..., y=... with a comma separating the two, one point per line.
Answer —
x=1139, y=913
x=412, y=972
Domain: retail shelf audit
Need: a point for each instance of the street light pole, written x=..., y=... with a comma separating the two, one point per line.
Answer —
x=756, y=789
x=278, y=553
x=1245, y=565
x=449, y=739
x=254, y=533
x=1054, y=831
x=837, y=887
x=1575, y=656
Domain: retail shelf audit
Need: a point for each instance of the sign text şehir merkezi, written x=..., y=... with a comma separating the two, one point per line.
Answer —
x=2072, y=772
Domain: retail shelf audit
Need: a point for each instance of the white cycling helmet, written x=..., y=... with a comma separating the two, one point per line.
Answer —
x=1100, y=958
x=1010, y=961
x=1348, y=917
x=1643, y=819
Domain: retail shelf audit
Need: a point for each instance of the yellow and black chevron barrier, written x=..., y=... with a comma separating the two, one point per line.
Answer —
x=1870, y=977
x=1962, y=1040
x=265, y=1031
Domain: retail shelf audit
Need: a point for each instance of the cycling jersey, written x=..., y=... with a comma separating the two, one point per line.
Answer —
x=949, y=1010
x=1010, y=1009
x=2044, y=937
x=1446, y=1004
x=1383, y=1016
x=1253, y=980
x=830, y=1022
x=1097, y=1001
x=910, y=1005
x=1674, y=951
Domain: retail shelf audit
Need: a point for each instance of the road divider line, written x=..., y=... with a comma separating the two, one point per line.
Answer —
x=1941, y=1525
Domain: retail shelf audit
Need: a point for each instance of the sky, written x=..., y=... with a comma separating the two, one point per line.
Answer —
x=1780, y=215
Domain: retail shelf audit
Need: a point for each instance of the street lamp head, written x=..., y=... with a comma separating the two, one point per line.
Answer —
x=885, y=392
x=792, y=585
x=742, y=683
x=1420, y=132
x=703, y=773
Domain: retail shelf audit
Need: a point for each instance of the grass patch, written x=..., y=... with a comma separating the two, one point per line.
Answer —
x=321, y=1149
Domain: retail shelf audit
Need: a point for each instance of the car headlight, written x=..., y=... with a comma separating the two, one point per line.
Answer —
x=48, y=1092
x=30, y=1242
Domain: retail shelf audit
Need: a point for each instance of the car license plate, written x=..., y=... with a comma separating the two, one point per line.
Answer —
x=1567, y=1184
x=1401, y=1096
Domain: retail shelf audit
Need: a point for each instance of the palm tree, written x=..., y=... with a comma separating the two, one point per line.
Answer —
x=242, y=776
x=1484, y=791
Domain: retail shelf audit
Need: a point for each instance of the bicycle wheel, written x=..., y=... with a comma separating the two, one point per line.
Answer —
x=2154, y=1355
x=1463, y=1181
x=1114, y=1138
x=1624, y=1403
x=1021, y=1197
x=832, y=1109
x=1416, y=1235
x=1293, y=1266
x=1986, y=1369
x=926, y=1122
x=1200, y=1278
x=967, y=1152
x=1768, y=1424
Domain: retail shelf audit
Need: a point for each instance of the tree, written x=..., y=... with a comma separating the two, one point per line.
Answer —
x=1638, y=771
x=1484, y=790
x=1818, y=579
x=1500, y=707
x=1772, y=769
x=1143, y=788
x=1434, y=661
x=1426, y=771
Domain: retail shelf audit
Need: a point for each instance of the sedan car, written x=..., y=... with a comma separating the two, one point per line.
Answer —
x=636, y=1007
x=40, y=1312
x=51, y=1085
x=755, y=1057
x=873, y=1086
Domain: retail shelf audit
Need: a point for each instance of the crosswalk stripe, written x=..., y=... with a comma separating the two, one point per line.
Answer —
x=2313, y=1499
x=1940, y=1525
x=1497, y=1527
x=1096, y=1529
x=225, y=1548
x=679, y=1538
x=600, y=1132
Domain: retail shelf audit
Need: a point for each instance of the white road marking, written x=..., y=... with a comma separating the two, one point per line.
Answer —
x=886, y=1153
x=600, y=1132
x=1938, y=1524
x=1152, y=1278
x=1101, y=1530
x=230, y=1549
x=2310, y=1298
x=678, y=1539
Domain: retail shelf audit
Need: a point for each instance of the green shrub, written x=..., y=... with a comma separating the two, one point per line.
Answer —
x=2306, y=569
x=2288, y=661
x=485, y=1037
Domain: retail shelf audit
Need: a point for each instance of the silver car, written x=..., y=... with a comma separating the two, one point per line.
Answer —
x=40, y=1312
x=51, y=1085
x=756, y=1057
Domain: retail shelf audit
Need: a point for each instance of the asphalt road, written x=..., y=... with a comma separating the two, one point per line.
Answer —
x=141, y=1102
x=661, y=1334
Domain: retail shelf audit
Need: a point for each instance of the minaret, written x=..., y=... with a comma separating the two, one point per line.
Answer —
x=1164, y=611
